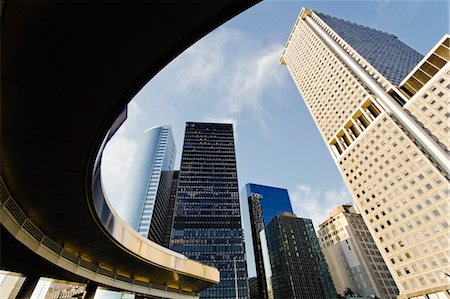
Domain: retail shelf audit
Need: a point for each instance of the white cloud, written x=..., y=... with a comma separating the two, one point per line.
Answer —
x=223, y=76
x=255, y=74
x=118, y=155
x=316, y=204
x=235, y=70
x=200, y=64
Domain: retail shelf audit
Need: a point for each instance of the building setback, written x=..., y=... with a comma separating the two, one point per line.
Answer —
x=299, y=269
x=207, y=219
x=387, y=137
x=145, y=185
x=352, y=256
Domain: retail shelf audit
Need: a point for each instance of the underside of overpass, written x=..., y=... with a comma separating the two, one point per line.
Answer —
x=68, y=69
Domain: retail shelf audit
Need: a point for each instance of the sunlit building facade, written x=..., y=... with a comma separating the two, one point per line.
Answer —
x=155, y=154
x=207, y=218
x=352, y=256
x=381, y=109
x=298, y=266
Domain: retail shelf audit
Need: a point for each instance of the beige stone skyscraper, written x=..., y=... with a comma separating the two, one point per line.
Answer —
x=352, y=256
x=382, y=110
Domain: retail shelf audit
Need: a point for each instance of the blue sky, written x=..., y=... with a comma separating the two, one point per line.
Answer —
x=233, y=75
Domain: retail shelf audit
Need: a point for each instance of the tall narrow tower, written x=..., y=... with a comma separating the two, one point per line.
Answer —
x=380, y=108
x=138, y=205
x=264, y=203
x=207, y=218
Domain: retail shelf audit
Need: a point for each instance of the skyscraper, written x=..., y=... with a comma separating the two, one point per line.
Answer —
x=274, y=200
x=299, y=269
x=259, y=286
x=383, y=137
x=155, y=153
x=170, y=207
x=264, y=203
x=352, y=256
x=207, y=219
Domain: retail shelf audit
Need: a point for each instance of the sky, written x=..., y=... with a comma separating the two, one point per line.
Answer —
x=233, y=75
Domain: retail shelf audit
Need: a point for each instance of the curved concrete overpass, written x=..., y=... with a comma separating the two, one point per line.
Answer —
x=68, y=70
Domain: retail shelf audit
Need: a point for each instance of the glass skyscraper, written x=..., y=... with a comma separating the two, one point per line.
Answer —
x=273, y=202
x=155, y=153
x=299, y=269
x=264, y=203
x=207, y=220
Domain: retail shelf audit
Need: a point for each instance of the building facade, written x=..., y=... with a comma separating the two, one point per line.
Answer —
x=170, y=207
x=352, y=256
x=259, y=287
x=264, y=203
x=207, y=218
x=155, y=153
x=299, y=269
x=394, y=164
x=274, y=200
x=253, y=287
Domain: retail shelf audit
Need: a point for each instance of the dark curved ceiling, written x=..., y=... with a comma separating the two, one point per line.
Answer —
x=68, y=69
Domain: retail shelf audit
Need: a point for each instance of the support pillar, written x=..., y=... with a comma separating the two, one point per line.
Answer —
x=27, y=288
x=89, y=293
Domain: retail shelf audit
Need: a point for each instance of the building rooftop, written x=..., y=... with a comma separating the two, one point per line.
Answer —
x=384, y=51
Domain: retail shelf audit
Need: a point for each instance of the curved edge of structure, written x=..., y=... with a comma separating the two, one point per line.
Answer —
x=26, y=232
x=130, y=240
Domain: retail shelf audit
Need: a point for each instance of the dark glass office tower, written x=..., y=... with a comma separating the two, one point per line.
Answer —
x=253, y=287
x=264, y=203
x=163, y=209
x=274, y=200
x=169, y=210
x=207, y=219
x=384, y=51
x=259, y=286
x=299, y=269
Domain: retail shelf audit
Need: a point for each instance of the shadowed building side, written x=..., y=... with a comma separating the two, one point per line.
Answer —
x=299, y=269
